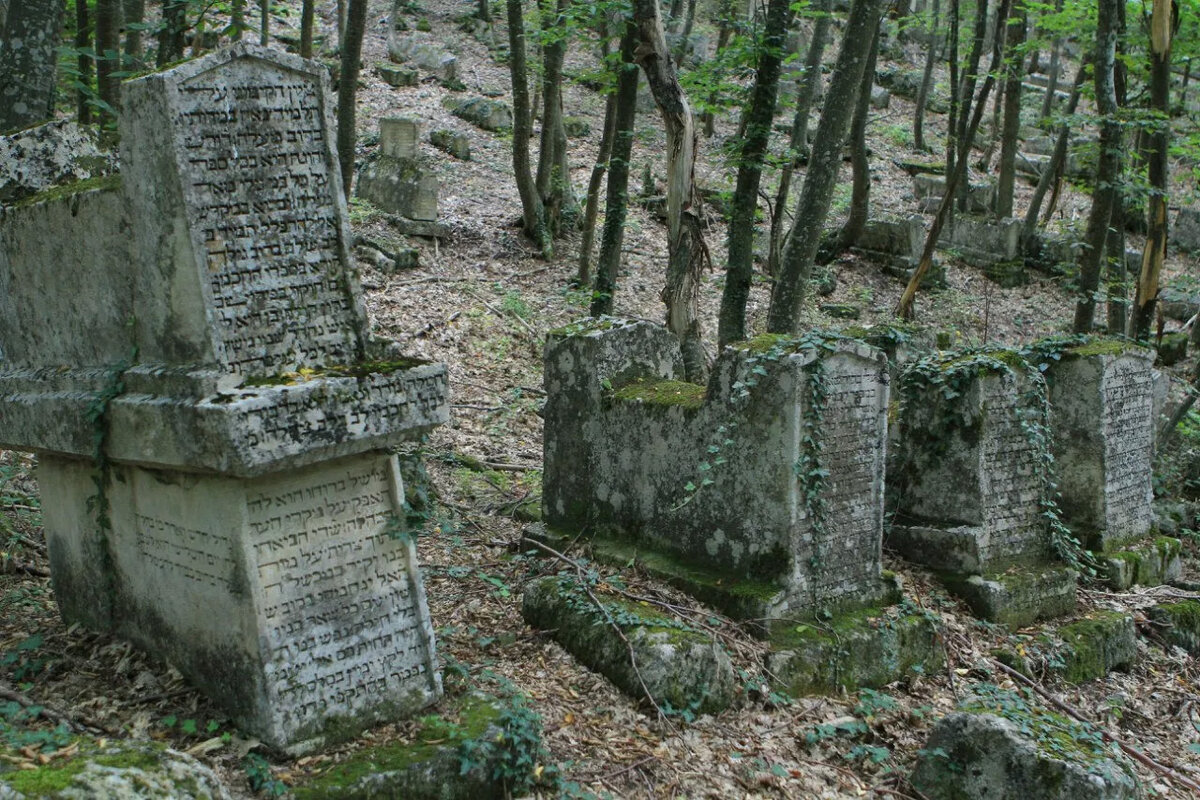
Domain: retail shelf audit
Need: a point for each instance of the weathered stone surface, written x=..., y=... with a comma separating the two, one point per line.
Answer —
x=1185, y=233
x=1096, y=645
x=117, y=770
x=880, y=98
x=841, y=310
x=677, y=665
x=1006, y=274
x=976, y=754
x=491, y=115
x=400, y=186
x=1149, y=564
x=1179, y=298
x=432, y=766
x=398, y=136
x=1017, y=599
x=1101, y=416
x=625, y=438
x=398, y=76
x=35, y=159
x=983, y=242
x=421, y=49
x=929, y=190
x=866, y=649
x=28, y=60
x=452, y=142
x=904, y=82
x=1172, y=348
x=577, y=127
x=1178, y=624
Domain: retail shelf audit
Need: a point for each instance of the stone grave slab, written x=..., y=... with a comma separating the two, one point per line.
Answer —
x=212, y=417
x=394, y=180
x=969, y=481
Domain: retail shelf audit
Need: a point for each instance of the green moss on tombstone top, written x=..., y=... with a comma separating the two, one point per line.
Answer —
x=663, y=393
x=56, y=193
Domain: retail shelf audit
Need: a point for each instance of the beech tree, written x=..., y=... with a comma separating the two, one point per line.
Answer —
x=356, y=24
x=27, y=71
x=533, y=214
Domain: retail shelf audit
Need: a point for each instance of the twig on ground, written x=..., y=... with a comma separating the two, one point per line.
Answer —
x=47, y=712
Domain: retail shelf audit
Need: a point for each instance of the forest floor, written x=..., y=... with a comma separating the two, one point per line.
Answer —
x=481, y=302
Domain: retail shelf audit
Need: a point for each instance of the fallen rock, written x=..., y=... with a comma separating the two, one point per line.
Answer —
x=678, y=665
x=1096, y=645
x=1002, y=747
x=116, y=770
x=1178, y=624
x=456, y=144
x=491, y=115
x=419, y=48
x=397, y=75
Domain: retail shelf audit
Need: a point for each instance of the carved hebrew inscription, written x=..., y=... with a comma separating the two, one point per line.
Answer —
x=1012, y=488
x=256, y=174
x=341, y=620
x=1126, y=419
x=192, y=554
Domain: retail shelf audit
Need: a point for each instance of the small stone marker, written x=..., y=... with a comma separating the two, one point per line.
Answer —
x=398, y=136
x=968, y=480
x=251, y=526
x=395, y=180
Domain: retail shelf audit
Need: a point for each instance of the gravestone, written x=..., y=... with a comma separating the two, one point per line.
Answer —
x=212, y=418
x=1185, y=233
x=929, y=190
x=969, y=481
x=394, y=180
x=625, y=439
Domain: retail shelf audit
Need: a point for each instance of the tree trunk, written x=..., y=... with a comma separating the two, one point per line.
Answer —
x=1052, y=84
x=28, y=62
x=1053, y=171
x=133, y=12
x=483, y=12
x=108, y=57
x=561, y=208
x=356, y=25
x=926, y=81
x=616, y=201
x=952, y=60
x=533, y=219
x=860, y=197
x=592, y=203
x=1156, y=238
x=787, y=296
x=689, y=22
x=171, y=37
x=306, y=28
x=83, y=63
x=724, y=33
x=1108, y=170
x=1115, y=284
x=798, y=145
x=759, y=115
x=264, y=21
x=967, y=94
x=1012, y=115
x=687, y=252
x=904, y=309
x=341, y=23
x=237, y=19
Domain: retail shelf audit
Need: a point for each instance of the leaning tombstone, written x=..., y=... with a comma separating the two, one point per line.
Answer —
x=1101, y=396
x=760, y=493
x=212, y=419
x=972, y=487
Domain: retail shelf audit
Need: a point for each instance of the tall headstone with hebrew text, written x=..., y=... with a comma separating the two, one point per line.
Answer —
x=212, y=419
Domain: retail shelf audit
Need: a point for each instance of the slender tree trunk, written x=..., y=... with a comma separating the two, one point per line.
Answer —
x=1108, y=170
x=904, y=309
x=237, y=19
x=306, y=28
x=483, y=12
x=341, y=23
x=28, y=62
x=798, y=144
x=1053, y=171
x=724, y=32
x=83, y=62
x=171, y=37
x=592, y=203
x=133, y=12
x=926, y=80
x=687, y=252
x=533, y=216
x=264, y=21
x=1156, y=239
x=860, y=197
x=1052, y=83
x=616, y=201
x=1114, y=271
x=561, y=208
x=787, y=295
x=108, y=56
x=759, y=115
x=1012, y=115
x=356, y=25
x=952, y=117
x=689, y=21
x=967, y=93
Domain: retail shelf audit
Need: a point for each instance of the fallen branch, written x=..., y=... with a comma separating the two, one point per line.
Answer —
x=1129, y=750
x=46, y=712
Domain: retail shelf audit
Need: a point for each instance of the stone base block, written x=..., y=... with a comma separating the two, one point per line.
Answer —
x=870, y=648
x=1017, y=598
x=1096, y=645
x=1006, y=274
x=1178, y=624
x=1152, y=564
x=400, y=186
x=954, y=549
x=293, y=600
x=676, y=664
x=431, y=767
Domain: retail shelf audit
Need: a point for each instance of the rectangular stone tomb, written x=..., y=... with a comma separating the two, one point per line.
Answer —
x=725, y=480
x=211, y=415
x=969, y=478
x=291, y=598
x=1102, y=418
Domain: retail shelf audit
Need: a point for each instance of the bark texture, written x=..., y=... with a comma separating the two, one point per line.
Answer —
x=356, y=24
x=27, y=71
x=533, y=217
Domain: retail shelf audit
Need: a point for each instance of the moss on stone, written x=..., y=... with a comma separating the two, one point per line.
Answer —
x=1101, y=346
x=53, y=778
x=663, y=393
x=1092, y=647
x=56, y=193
